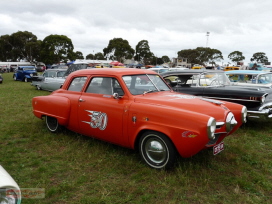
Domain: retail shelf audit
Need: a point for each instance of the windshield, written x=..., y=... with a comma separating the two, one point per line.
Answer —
x=29, y=68
x=213, y=79
x=144, y=83
x=264, y=79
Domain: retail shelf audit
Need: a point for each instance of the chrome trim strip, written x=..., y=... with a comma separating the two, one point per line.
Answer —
x=232, y=99
x=266, y=106
x=220, y=123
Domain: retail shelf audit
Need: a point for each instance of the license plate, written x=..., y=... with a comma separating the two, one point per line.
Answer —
x=218, y=148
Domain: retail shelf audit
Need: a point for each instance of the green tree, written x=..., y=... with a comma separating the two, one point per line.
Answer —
x=165, y=59
x=34, y=50
x=90, y=57
x=190, y=54
x=259, y=57
x=201, y=55
x=23, y=45
x=5, y=48
x=118, y=49
x=236, y=56
x=79, y=55
x=143, y=53
x=57, y=48
x=99, y=56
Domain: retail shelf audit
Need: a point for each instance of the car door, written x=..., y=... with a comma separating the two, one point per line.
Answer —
x=19, y=74
x=100, y=114
x=52, y=82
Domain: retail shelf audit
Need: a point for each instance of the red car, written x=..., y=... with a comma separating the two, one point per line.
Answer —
x=115, y=105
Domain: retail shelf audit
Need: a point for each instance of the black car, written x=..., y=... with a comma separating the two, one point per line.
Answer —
x=1, y=79
x=214, y=84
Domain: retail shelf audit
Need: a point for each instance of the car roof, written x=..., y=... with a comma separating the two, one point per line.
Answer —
x=191, y=71
x=54, y=70
x=114, y=71
x=246, y=72
x=29, y=66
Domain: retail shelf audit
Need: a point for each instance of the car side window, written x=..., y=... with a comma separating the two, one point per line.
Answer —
x=77, y=84
x=104, y=85
x=45, y=74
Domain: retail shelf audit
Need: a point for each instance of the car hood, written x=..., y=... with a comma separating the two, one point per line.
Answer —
x=7, y=182
x=187, y=102
x=29, y=71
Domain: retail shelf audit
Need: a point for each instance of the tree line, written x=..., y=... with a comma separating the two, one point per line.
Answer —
x=24, y=45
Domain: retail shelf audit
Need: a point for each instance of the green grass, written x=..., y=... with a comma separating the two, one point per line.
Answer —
x=76, y=169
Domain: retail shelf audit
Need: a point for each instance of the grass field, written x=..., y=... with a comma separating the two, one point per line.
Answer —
x=76, y=169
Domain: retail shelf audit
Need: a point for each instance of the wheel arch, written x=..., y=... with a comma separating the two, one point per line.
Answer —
x=142, y=131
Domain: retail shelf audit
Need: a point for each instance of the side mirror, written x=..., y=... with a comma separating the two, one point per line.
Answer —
x=116, y=96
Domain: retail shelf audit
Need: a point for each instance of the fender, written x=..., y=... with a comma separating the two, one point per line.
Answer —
x=55, y=106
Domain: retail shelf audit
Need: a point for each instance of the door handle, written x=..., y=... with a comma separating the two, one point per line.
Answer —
x=81, y=100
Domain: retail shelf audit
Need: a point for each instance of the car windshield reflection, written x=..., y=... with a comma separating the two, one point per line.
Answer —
x=144, y=83
x=212, y=79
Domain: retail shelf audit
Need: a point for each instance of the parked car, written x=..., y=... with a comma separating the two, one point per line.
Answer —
x=251, y=78
x=1, y=79
x=40, y=67
x=4, y=69
x=25, y=73
x=214, y=84
x=54, y=83
x=59, y=66
x=50, y=80
x=9, y=190
x=229, y=68
x=113, y=105
x=13, y=67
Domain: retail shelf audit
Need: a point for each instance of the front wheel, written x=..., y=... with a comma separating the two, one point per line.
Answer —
x=157, y=150
x=38, y=87
x=26, y=80
x=52, y=124
x=14, y=77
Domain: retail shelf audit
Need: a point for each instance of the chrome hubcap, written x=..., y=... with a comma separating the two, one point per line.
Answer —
x=155, y=150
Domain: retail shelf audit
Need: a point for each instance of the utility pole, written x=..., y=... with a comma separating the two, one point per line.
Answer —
x=208, y=33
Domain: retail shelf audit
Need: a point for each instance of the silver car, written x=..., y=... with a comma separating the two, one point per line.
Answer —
x=50, y=80
x=9, y=189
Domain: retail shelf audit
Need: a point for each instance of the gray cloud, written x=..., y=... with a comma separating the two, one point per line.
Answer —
x=168, y=25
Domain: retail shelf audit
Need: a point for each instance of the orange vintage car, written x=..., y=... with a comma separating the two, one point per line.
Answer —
x=116, y=106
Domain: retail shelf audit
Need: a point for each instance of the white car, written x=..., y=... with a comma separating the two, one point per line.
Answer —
x=9, y=189
x=252, y=78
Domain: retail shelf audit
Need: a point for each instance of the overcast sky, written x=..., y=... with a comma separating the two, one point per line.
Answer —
x=168, y=25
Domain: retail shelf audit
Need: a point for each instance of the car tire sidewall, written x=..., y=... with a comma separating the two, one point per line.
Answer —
x=52, y=124
x=167, y=144
x=14, y=77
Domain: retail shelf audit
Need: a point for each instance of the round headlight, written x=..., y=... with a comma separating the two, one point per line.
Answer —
x=8, y=196
x=211, y=127
x=244, y=114
x=230, y=122
x=31, y=75
x=263, y=98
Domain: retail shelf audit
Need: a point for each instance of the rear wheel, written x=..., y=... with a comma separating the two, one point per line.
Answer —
x=38, y=87
x=52, y=124
x=157, y=150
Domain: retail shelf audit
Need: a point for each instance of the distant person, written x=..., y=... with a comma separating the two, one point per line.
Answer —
x=242, y=77
x=254, y=67
x=242, y=67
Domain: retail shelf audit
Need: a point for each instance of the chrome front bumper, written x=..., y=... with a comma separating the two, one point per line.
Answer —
x=265, y=111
